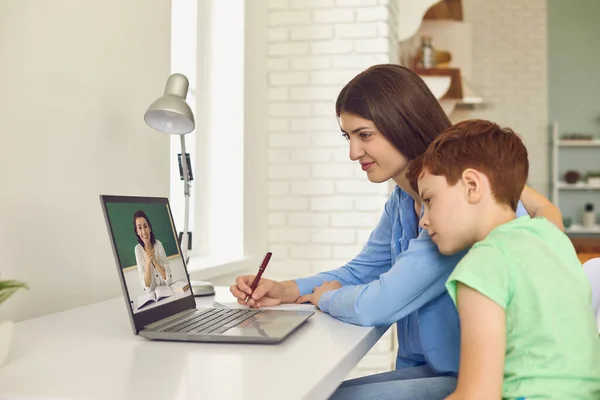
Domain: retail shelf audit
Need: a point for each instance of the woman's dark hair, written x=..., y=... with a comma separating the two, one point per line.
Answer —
x=400, y=105
x=141, y=214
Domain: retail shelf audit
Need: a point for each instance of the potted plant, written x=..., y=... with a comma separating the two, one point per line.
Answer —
x=593, y=178
x=7, y=289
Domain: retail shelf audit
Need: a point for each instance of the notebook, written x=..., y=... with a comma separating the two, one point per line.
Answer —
x=282, y=307
x=160, y=292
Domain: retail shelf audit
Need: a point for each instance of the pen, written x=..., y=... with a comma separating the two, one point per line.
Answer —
x=261, y=269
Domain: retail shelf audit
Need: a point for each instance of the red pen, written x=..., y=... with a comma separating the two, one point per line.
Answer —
x=261, y=269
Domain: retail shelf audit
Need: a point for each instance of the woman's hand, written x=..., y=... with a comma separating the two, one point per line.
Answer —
x=147, y=270
x=315, y=296
x=150, y=258
x=267, y=292
x=539, y=206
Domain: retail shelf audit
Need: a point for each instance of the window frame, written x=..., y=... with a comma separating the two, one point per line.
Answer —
x=251, y=175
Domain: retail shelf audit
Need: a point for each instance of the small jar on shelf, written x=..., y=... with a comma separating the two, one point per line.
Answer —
x=426, y=56
x=588, y=219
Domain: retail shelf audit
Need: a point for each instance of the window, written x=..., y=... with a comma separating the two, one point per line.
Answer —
x=208, y=46
x=184, y=60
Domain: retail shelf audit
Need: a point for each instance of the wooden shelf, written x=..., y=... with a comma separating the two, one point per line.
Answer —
x=583, y=257
x=446, y=9
x=587, y=247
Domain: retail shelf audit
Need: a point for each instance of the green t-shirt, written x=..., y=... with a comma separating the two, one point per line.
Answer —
x=530, y=268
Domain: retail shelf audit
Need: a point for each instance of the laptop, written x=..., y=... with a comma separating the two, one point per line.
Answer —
x=156, y=285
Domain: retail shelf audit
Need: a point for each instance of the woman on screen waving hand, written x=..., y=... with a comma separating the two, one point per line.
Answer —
x=150, y=256
x=389, y=117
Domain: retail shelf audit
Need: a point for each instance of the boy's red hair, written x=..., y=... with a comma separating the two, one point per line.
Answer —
x=482, y=145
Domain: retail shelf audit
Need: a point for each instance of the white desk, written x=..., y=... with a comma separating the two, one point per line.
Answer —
x=91, y=353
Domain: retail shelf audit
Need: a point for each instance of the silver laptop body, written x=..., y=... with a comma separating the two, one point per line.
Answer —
x=166, y=309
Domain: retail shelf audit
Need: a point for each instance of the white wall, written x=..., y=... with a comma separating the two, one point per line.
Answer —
x=321, y=206
x=255, y=131
x=510, y=70
x=75, y=77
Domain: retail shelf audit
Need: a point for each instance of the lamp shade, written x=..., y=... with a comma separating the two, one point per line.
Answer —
x=170, y=113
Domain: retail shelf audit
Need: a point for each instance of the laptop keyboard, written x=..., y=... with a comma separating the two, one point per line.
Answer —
x=214, y=320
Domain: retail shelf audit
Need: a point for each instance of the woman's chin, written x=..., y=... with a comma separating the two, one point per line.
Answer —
x=377, y=178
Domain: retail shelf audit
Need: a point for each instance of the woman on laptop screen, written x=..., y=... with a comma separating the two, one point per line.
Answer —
x=150, y=256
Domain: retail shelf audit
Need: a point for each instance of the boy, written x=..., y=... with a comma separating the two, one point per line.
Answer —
x=527, y=330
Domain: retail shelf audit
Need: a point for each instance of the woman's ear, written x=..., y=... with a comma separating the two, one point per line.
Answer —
x=473, y=184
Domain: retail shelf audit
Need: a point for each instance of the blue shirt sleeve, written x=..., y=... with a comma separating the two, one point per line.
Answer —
x=374, y=259
x=374, y=291
x=417, y=277
x=521, y=210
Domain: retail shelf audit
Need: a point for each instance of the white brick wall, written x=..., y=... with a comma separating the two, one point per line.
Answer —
x=321, y=206
x=510, y=58
x=315, y=47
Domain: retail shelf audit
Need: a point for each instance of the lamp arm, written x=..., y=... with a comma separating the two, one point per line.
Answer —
x=186, y=192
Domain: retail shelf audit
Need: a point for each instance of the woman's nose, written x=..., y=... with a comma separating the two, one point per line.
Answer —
x=356, y=150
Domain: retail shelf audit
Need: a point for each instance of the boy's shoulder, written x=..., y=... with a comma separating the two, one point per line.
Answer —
x=484, y=251
x=524, y=240
x=521, y=232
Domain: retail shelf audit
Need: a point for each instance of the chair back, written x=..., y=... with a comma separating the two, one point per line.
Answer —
x=592, y=270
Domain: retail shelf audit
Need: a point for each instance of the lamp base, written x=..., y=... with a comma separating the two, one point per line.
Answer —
x=202, y=288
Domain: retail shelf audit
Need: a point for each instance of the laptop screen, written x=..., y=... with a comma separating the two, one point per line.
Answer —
x=147, y=252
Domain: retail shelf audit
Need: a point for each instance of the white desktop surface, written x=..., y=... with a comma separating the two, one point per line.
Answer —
x=91, y=352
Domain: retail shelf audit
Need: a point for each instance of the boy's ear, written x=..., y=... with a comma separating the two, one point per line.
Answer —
x=473, y=185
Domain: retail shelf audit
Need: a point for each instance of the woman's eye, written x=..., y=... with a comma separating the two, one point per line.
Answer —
x=346, y=136
x=364, y=136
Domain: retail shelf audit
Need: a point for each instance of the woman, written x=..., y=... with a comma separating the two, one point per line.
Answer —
x=150, y=256
x=389, y=117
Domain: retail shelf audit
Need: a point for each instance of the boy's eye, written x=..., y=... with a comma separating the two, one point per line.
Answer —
x=427, y=200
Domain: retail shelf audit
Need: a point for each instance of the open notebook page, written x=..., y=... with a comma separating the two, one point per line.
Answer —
x=285, y=307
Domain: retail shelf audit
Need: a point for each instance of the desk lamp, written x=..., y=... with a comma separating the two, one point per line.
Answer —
x=170, y=114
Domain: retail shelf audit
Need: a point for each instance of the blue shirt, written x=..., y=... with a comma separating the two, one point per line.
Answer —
x=399, y=276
